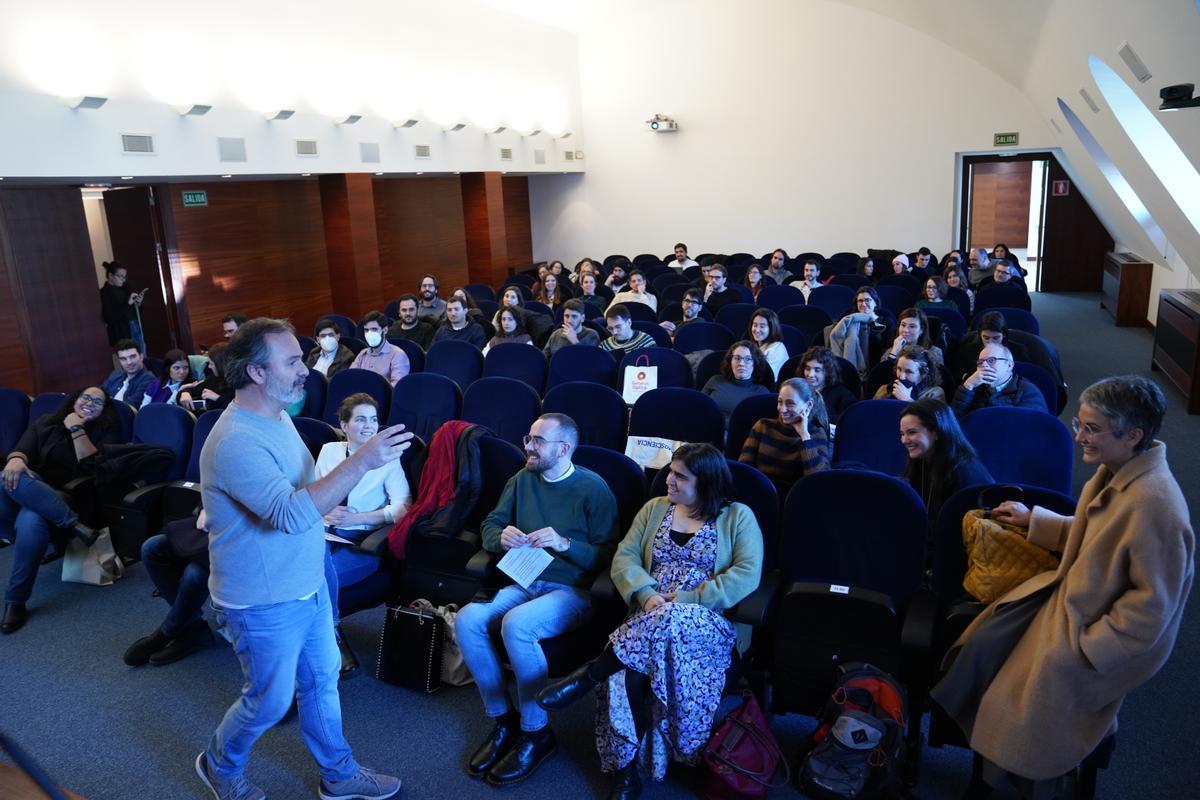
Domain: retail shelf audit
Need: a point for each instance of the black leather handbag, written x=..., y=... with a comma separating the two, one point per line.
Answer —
x=410, y=649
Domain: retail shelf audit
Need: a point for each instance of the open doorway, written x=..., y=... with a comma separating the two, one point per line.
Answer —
x=124, y=225
x=1004, y=202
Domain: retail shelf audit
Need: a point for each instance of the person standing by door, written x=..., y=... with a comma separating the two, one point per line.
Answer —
x=119, y=306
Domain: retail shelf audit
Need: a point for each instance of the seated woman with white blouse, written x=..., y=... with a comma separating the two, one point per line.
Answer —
x=379, y=499
x=768, y=335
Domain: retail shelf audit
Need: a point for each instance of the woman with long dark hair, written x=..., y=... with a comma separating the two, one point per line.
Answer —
x=917, y=377
x=819, y=367
x=175, y=372
x=53, y=451
x=940, y=459
x=754, y=280
x=766, y=332
x=510, y=330
x=794, y=444
x=687, y=558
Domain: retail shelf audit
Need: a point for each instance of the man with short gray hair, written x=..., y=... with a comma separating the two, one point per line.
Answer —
x=981, y=266
x=266, y=550
x=570, y=513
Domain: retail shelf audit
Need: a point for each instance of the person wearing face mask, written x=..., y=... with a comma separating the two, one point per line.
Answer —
x=860, y=337
x=411, y=325
x=819, y=367
x=380, y=498
x=165, y=388
x=380, y=356
x=794, y=444
x=636, y=292
x=54, y=450
x=916, y=377
x=777, y=270
x=744, y=373
x=330, y=356
x=993, y=383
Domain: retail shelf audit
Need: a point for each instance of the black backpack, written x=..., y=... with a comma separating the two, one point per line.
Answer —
x=433, y=539
x=856, y=751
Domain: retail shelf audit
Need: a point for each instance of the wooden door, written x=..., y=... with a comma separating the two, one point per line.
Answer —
x=1000, y=204
x=133, y=229
x=1075, y=241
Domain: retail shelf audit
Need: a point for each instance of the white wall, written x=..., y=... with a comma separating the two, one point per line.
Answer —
x=385, y=59
x=805, y=124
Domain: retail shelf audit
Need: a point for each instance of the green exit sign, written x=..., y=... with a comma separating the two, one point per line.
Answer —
x=195, y=198
x=1005, y=139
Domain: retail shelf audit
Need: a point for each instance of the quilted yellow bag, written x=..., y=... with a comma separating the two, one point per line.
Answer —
x=999, y=557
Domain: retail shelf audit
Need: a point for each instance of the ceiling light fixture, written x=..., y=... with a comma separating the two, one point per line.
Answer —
x=347, y=119
x=456, y=126
x=193, y=110
x=407, y=123
x=279, y=114
x=86, y=101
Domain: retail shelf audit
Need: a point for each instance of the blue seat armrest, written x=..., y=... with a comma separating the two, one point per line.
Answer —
x=753, y=608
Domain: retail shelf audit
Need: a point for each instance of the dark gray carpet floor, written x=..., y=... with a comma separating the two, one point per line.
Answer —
x=108, y=731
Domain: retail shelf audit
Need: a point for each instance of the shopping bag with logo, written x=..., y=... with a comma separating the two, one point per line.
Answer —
x=650, y=452
x=639, y=379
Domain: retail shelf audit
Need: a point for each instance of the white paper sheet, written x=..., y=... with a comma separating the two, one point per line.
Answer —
x=525, y=564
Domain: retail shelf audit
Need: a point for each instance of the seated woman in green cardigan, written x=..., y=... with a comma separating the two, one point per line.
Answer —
x=687, y=558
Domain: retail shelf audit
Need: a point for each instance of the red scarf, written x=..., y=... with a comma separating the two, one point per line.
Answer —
x=439, y=477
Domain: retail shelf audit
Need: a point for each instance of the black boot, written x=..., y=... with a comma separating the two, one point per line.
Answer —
x=498, y=742
x=523, y=758
x=15, y=615
x=626, y=785
x=561, y=693
x=140, y=651
x=350, y=665
x=196, y=636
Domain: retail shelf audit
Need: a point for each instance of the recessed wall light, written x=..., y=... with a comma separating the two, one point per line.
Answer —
x=226, y=176
x=378, y=173
x=126, y=177
x=305, y=174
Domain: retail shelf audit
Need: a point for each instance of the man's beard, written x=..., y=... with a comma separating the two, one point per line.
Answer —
x=283, y=391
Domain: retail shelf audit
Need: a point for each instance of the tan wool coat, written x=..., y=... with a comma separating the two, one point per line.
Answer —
x=1109, y=624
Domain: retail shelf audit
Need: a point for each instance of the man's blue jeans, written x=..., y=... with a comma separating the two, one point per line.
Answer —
x=522, y=617
x=182, y=583
x=286, y=649
x=36, y=511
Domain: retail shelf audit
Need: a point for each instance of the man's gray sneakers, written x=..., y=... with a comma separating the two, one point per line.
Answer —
x=237, y=789
x=366, y=785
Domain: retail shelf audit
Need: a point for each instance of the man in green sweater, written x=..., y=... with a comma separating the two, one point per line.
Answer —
x=569, y=512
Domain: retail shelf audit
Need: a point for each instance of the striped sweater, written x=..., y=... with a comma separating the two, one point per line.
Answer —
x=778, y=452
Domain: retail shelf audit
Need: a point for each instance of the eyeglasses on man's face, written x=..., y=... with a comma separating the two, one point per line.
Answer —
x=538, y=442
x=990, y=361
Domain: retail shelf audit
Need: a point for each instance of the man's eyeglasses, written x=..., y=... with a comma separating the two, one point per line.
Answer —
x=1089, y=428
x=92, y=400
x=990, y=361
x=691, y=301
x=538, y=441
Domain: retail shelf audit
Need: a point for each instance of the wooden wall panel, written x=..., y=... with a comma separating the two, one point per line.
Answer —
x=15, y=370
x=47, y=260
x=483, y=214
x=351, y=243
x=419, y=225
x=131, y=229
x=256, y=247
x=1075, y=242
x=516, y=221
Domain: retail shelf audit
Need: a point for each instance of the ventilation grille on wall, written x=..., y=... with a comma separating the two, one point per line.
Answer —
x=306, y=147
x=569, y=155
x=231, y=148
x=506, y=154
x=137, y=143
x=422, y=151
x=539, y=156
x=1135, y=64
x=1087, y=98
x=369, y=151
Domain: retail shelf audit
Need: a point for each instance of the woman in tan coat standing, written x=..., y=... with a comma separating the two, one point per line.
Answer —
x=1038, y=678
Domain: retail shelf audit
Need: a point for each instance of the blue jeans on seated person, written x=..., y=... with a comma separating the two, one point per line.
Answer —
x=523, y=617
x=345, y=565
x=36, y=510
x=286, y=650
x=181, y=582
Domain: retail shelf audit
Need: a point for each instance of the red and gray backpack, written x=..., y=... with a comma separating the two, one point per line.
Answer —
x=855, y=752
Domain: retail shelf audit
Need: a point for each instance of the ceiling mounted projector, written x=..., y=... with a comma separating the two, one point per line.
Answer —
x=1178, y=96
x=660, y=123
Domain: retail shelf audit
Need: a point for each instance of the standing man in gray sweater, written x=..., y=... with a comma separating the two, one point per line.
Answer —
x=266, y=549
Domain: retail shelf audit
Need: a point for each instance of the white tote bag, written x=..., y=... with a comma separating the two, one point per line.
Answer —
x=97, y=565
x=650, y=452
x=639, y=379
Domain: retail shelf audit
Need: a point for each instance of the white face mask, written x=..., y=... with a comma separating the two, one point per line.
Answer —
x=373, y=338
x=329, y=343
